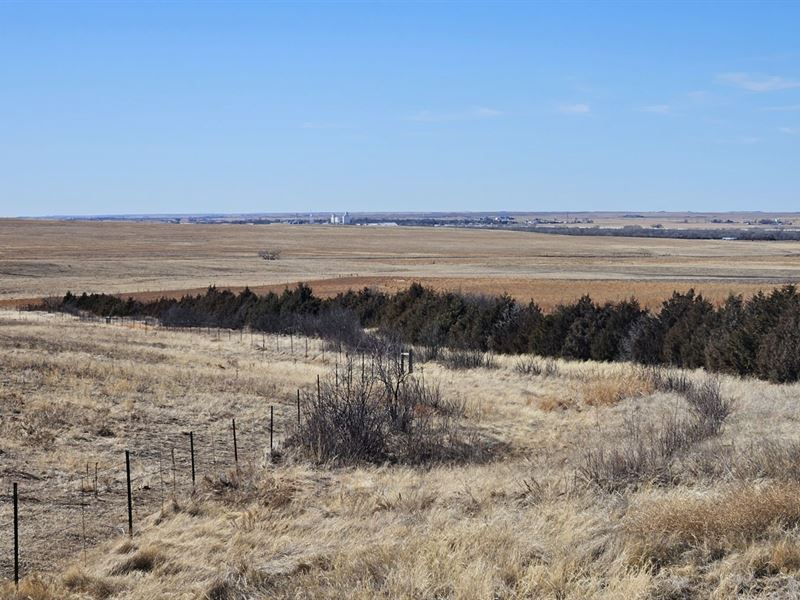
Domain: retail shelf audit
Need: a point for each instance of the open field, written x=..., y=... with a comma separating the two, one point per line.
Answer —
x=41, y=258
x=526, y=524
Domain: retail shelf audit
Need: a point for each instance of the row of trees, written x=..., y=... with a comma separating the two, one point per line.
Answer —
x=759, y=336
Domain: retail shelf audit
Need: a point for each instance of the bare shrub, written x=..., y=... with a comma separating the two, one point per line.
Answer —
x=269, y=254
x=709, y=405
x=531, y=366
x=646, y=451
x=376, y=411
x=467, y=359
x=643, y=455
x=666, y=380
x=768, y=459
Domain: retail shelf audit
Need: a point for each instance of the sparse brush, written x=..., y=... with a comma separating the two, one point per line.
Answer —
x=379, y=413
x=666, y=380
x=532, y=366
x=645, y=452
x=467, y=359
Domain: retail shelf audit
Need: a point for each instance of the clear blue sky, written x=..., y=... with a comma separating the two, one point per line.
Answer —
x=109, y=108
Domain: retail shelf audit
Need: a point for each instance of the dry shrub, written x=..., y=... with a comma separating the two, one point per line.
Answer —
x=379, y=412
x=608, y=391
x=769, y=459
x=532, y=366
x=661, y=531
x=709, y=405
x=666, y=380
x=467, y=359
x=642, y=455
x=646, y=451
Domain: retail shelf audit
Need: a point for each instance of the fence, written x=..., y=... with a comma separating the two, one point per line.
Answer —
x=45, y=522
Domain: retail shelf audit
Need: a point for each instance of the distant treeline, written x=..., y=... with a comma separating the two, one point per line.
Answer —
x=770, y=235
x=755, y=337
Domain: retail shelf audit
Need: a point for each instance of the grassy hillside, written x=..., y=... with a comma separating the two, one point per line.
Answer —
x=603, y=480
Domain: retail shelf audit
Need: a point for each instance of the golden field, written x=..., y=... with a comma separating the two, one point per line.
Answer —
x=42, y=258
x=524, y=524
x=541, y=515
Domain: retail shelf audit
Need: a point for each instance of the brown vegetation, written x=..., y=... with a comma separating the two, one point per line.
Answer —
x=522, y=525
x=40, y=258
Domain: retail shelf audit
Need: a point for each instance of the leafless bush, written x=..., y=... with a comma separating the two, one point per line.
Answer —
x=269, y=254
x=530, y=366
x=467, y=359
x=375, y=411
x=769, y=459
x=665, y=380
x=645, y=453
x=709, y=405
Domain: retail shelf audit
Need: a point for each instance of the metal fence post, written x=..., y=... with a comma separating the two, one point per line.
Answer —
x=235, y=445
x=130, y=496
x=191, y=450
x=271, y=423
x=16, y=537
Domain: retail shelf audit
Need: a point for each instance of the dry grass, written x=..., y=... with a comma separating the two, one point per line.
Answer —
x=40, y=258
x=715, y=522
x=607, y=392
x=517, y=527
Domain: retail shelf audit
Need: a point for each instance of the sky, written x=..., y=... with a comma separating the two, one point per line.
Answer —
x=178, y=107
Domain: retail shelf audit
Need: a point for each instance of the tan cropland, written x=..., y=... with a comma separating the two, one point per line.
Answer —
x=39, y=258
x=520, y=526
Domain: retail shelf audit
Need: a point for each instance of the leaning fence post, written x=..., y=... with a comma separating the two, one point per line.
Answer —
x=130, y=496
x=298, y=408
x=16, y=537
x=235, y=446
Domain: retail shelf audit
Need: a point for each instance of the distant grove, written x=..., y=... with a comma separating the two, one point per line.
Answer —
x=757, y=337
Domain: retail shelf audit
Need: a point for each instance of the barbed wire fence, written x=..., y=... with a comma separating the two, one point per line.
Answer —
x=45, y=522
x=49, y=521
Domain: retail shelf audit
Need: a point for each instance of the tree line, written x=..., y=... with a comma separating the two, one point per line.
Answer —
x=759, y=336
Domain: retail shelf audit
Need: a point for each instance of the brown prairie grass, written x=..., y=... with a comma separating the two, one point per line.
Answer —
x=517, y=527
x=40, y=258
x=659, y=531
x=610, y=391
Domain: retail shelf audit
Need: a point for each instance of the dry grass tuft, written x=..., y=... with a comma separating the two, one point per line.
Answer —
x=144, y=560
x=79, y=581
x=610, y=391
x=34, y=588
x=660, y=531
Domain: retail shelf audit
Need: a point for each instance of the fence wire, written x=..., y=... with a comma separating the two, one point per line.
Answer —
x=64, y=514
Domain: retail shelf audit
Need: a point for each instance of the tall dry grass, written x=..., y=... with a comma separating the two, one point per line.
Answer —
x=519, y=526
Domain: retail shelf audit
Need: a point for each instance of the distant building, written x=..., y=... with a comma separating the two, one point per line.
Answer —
x=345, y=219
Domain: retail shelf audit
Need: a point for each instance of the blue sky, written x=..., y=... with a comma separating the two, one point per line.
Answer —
x=110, y=108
